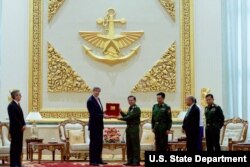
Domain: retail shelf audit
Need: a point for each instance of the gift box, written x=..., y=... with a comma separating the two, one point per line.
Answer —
x=112, y=109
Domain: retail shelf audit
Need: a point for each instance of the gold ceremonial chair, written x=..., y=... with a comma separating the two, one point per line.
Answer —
x=73, y=133
x=234, y=128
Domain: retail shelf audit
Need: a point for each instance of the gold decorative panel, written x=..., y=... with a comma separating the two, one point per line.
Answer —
x=169, y=5
x=53, y=7
x=110, y=42
x=204, y=92
x=35, y=55
x=36, y=63
x=83, y=114
x=61, y=76
x=162, y=76
x=187, y=49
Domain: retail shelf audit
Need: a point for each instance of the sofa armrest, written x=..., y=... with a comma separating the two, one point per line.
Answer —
x=231, y=142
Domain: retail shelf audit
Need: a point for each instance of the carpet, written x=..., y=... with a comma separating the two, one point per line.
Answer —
x=69, y=164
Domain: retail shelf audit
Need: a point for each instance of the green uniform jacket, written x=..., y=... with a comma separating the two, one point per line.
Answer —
x=132, y=117
x=161, y=118
x=214, y=116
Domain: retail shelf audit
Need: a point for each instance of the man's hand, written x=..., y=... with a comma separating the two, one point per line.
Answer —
x=168, y=132
x=119, y=118
x=23, y=128
x=106, y=116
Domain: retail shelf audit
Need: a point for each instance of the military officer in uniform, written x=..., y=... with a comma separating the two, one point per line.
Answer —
x=161, y=122
x=132, y=117
x=214, y=122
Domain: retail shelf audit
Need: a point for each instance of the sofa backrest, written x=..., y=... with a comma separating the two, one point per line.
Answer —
x=73, y=125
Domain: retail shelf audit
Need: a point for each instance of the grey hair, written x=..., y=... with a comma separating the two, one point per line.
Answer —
x=96, y=88
x=192, y=98
x=13, y=93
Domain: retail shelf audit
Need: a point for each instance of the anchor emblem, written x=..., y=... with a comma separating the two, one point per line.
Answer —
x=111, y=43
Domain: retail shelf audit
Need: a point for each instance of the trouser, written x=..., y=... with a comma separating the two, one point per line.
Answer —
x=16, y=147
x=201, y=134
x=192, y=140
x=95, y=146
x=161, y=141
x=213, y=138
x=133, y=144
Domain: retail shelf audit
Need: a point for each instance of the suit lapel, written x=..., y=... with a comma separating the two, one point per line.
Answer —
x=189, y=111
x=100, y=104
x=18, y=107
x=96, y=103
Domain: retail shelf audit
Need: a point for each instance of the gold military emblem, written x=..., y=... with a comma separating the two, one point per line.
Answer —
x=110, y=42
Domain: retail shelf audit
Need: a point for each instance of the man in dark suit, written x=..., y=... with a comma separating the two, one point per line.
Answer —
x=17, y=126
x=95, y=125
x=191, y=124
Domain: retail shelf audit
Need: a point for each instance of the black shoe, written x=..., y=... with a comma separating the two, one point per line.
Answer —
x=135, y=164
x=127, y=164
x=94, y=164
x=103, y=163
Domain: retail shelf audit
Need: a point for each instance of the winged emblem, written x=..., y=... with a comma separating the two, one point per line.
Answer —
x=111, y=43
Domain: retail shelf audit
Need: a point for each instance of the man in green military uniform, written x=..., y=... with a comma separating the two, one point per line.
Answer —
x=132, y=117
x=161, y=122
x=214, y=122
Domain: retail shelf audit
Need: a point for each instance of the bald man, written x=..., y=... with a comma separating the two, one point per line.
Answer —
x=191, y=124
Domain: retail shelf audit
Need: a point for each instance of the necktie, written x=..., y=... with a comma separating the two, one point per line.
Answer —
x=98, y=101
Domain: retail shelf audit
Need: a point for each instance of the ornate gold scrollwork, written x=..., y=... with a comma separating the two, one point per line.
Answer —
x=61, y=76
x=110, y=42
x=187, y=49
x=204, y=92
x=162, y=76
x=169, y=5
x=83, y=114
x=35, y=55
x=53, y=7
x=35, y=76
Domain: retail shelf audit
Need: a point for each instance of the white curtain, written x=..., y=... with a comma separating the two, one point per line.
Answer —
x=0, y=38
x=236, y=58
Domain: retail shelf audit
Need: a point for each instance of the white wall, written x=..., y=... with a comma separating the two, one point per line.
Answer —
x=14, y=60
x=208, y=48
x=14, y=55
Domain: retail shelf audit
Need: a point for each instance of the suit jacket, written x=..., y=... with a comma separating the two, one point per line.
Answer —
x=15, y=117
x=95, y=114
x=191, y=121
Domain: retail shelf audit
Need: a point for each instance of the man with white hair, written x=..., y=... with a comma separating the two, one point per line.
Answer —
x=191, y=124
x=95, y=126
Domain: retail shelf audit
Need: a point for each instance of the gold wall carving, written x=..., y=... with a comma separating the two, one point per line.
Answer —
x=162, y=76
x=169, y=6
x=35, y=54
x=187, y=49
x=53, y=7
x=35, y=58
x=110, y=42
x=83, y=114
x=204, y=92
x=61, y=76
